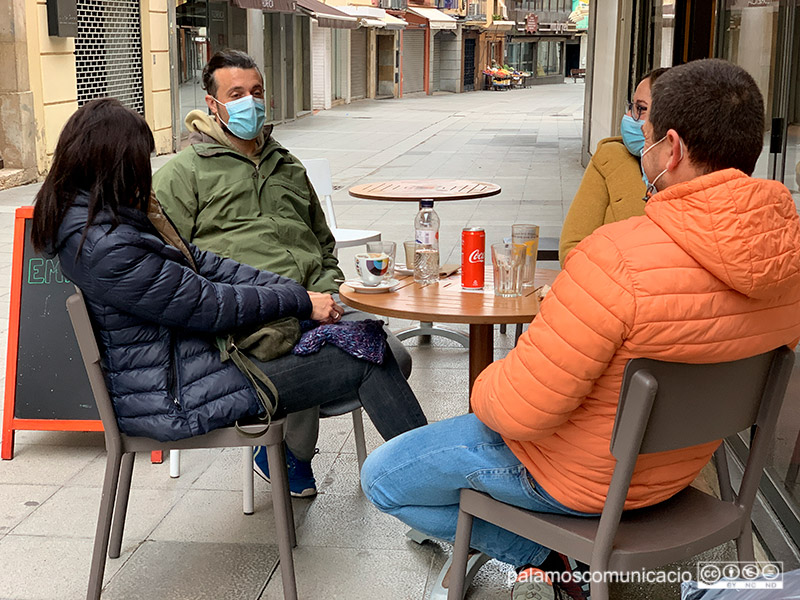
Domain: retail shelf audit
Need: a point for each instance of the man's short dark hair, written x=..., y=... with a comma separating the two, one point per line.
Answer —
x=222, y=60
x=716, y=108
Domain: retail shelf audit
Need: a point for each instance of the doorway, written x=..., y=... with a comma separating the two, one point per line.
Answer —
x=469, y=64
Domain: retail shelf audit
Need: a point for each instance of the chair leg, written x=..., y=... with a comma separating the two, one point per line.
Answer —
x=174, y=463
x=502, y=328
x=458, y=568
x=723, y=474
x=101, y=536
x=744, y=544
x=284, y=519
x=288, y=496
x=248, y=491
x=121, y=507
x=517, y=333
x=358, y=435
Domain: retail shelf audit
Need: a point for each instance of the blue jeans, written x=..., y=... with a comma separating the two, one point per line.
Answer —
x=417, y=477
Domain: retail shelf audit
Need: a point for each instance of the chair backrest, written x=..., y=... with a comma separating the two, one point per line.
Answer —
x=697, y=403
x=319, y=174
x=665, y=406
x=82, y=325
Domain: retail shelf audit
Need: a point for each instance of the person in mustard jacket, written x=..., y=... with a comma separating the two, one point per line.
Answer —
x=710, y=273
x=612, y=188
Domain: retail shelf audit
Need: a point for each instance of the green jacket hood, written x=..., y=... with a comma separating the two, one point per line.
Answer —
x=204, y=129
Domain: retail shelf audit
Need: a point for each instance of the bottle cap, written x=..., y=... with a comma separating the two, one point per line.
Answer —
x=426, y=203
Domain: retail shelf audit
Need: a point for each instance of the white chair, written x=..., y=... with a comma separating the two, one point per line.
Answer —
x=319, y=173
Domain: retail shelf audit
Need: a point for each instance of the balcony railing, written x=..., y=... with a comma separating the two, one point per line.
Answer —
x=476, y=11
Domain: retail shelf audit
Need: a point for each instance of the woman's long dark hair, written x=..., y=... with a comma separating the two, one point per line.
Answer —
x=104, y=150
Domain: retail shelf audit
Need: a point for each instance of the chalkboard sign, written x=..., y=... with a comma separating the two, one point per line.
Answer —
x=46, y=384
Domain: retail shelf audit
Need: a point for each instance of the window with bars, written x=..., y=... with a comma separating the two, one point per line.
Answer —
x=108, y=52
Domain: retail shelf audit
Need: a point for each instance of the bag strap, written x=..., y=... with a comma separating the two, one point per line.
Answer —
x=255, y=375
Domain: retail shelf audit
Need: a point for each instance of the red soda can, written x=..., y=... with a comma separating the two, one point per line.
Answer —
x=473, y=251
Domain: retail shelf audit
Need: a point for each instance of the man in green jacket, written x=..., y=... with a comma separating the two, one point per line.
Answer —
x=237, y=192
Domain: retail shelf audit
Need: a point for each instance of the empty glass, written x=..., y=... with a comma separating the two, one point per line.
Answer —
x=507, y=262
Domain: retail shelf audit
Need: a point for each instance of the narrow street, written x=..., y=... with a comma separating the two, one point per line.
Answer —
x=528, y=142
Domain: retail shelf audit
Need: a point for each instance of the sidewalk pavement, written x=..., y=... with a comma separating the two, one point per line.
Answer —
x=187, y=537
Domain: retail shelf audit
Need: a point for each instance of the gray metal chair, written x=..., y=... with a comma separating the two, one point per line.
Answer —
x=662, y=406
x=121, y=450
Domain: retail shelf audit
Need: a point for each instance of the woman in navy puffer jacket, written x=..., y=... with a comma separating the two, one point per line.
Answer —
x=158, y=307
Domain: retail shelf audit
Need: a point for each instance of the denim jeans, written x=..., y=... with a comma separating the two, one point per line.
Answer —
x=417, y=477
x=332, y=375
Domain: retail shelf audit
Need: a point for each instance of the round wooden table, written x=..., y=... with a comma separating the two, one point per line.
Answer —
x=446, y=302
x=415, y=190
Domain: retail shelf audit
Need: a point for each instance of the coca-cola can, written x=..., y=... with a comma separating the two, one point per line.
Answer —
x=473, y=252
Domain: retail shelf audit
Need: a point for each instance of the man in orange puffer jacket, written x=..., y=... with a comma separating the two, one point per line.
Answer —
x=710, y=273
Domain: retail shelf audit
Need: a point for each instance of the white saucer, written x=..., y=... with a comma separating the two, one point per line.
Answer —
x=383, y=286
x=402, y=269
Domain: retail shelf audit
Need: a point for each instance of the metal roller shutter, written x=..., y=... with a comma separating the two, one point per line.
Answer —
x=413, y=59
x=108, y=52
x=358, y=63
x=437, y=60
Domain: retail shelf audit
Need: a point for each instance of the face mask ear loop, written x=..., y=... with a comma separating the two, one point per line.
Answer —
x=651, y=188
x=217, y=113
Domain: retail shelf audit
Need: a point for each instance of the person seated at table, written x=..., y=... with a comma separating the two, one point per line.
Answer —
x=237, y=192
x=710, y=273
x=158, y=304
x=612, y=188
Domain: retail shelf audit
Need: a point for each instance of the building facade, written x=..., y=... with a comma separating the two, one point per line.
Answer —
x=543, y=41
x=118, y=49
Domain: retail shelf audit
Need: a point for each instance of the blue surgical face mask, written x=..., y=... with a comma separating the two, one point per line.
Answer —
x=246, y=116
x=632, y=135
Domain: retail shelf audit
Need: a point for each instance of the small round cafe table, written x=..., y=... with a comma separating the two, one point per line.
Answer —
x=446, y=302
x=416, y=190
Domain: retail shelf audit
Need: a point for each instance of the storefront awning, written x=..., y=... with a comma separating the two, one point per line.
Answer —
x=393, y=22
x=371, y=16
x=327, y=16
x=365, y=18
x=436, y=18
x=287, y=6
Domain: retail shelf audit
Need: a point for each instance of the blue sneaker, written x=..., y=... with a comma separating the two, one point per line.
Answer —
x=301, y=477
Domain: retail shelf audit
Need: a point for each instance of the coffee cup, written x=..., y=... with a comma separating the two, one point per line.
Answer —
x=371, y=267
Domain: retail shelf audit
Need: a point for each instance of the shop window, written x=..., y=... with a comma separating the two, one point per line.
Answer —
x=520, y=56
x=548, y=59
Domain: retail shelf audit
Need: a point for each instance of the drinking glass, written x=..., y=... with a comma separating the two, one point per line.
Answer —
x=528, y=236
x=507, y=262
x=387, y=248
x=410, y=248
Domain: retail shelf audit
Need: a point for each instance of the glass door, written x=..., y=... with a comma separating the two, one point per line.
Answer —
x=749, y=38
x=193, y=52
x=792, y=163
x=762, y=36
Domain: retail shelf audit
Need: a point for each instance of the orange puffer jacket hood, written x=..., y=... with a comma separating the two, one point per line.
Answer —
x=711, y=273
x=743, y=230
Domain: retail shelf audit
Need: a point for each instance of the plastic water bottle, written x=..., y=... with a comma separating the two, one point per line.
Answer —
x=426, y=234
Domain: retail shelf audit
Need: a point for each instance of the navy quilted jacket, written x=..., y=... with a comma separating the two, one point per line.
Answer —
x=156, y=319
